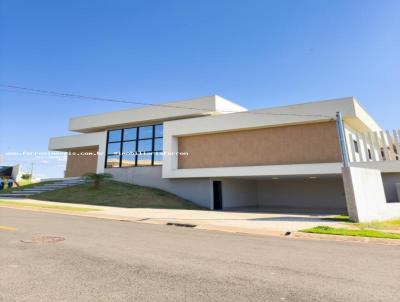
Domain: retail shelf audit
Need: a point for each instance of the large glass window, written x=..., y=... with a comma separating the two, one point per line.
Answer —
x=139, y=146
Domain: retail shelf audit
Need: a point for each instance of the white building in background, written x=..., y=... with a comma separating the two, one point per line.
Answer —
x=10, y=171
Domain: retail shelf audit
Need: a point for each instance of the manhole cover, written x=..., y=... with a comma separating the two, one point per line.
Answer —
x=44, y=239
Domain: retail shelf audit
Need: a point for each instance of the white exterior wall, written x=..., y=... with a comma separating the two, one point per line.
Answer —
x=365, y=196
x=196, y=190
x=64, y=143
x=271, y=170
x=364, y=141
x=15, y=172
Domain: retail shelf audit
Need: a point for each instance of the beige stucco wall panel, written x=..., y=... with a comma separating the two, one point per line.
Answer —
x=81, y=161
x=300, y=144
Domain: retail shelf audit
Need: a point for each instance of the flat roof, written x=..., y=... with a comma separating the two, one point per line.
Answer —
x=208, y=105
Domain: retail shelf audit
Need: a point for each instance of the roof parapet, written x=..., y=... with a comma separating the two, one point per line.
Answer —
x=154, y=113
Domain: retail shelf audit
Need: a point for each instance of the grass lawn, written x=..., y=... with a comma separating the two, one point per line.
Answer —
x=45, y=206
x=339, y=218
x=351, y=232
x=366, y=229
x=118, y=194
x=393, y=224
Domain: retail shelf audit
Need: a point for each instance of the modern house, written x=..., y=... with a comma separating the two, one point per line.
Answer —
x=220, y=155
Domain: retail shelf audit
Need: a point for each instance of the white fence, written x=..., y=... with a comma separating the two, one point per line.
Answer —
x=374, y=146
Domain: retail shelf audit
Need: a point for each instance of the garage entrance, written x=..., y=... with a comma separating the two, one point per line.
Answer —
x=316, y=194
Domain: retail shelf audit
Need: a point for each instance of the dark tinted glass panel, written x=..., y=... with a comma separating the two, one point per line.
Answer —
x=129, y=148
x=129, y=134
x=112, y=161
x=146, y=132
x=114, y=135
x=145, y=145
x=128, y=160
x=114, y=148
x=158, y=131
x=144, y=160
x=6, y=171
x=158, y=144
x=157, y=159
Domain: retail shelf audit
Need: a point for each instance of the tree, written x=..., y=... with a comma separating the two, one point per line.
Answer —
x=26, y=176
x=97, y=178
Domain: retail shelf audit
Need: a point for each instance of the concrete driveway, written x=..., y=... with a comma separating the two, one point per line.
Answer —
x=238, y=221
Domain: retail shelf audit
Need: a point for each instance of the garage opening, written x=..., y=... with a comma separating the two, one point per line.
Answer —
x=319, y=195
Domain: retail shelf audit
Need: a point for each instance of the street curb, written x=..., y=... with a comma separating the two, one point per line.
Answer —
x=233, y=230
x=313, y=236
x=301, y=235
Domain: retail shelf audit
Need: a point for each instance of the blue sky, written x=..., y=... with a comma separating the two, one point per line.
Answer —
x=256, y=53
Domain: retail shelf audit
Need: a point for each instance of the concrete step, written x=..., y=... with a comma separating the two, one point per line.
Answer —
x=66, y=184
x=51, y=187
x=15, y=195
x=57, y=185
x=44, y=188
x=36, y=190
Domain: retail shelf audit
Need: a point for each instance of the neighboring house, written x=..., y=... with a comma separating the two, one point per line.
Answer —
x=219, y=155
x=9, y=171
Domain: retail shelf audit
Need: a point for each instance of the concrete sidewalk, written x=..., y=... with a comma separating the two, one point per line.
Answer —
x=234, y=221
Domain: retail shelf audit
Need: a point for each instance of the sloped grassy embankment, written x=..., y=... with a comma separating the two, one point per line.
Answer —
x=118, y=194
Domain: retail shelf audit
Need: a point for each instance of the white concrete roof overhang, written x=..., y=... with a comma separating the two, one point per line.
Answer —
x=154, y=113
x=289, y=177
x=76, y=142
x=311, y=112
x=258, y=171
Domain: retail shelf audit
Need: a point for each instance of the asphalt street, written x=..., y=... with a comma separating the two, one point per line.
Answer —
x=108, y=260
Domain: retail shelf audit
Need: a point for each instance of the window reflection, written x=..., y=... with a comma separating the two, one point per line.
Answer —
x=140, y=146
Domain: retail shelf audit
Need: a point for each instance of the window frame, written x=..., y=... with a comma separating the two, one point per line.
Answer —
x=136, y=143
